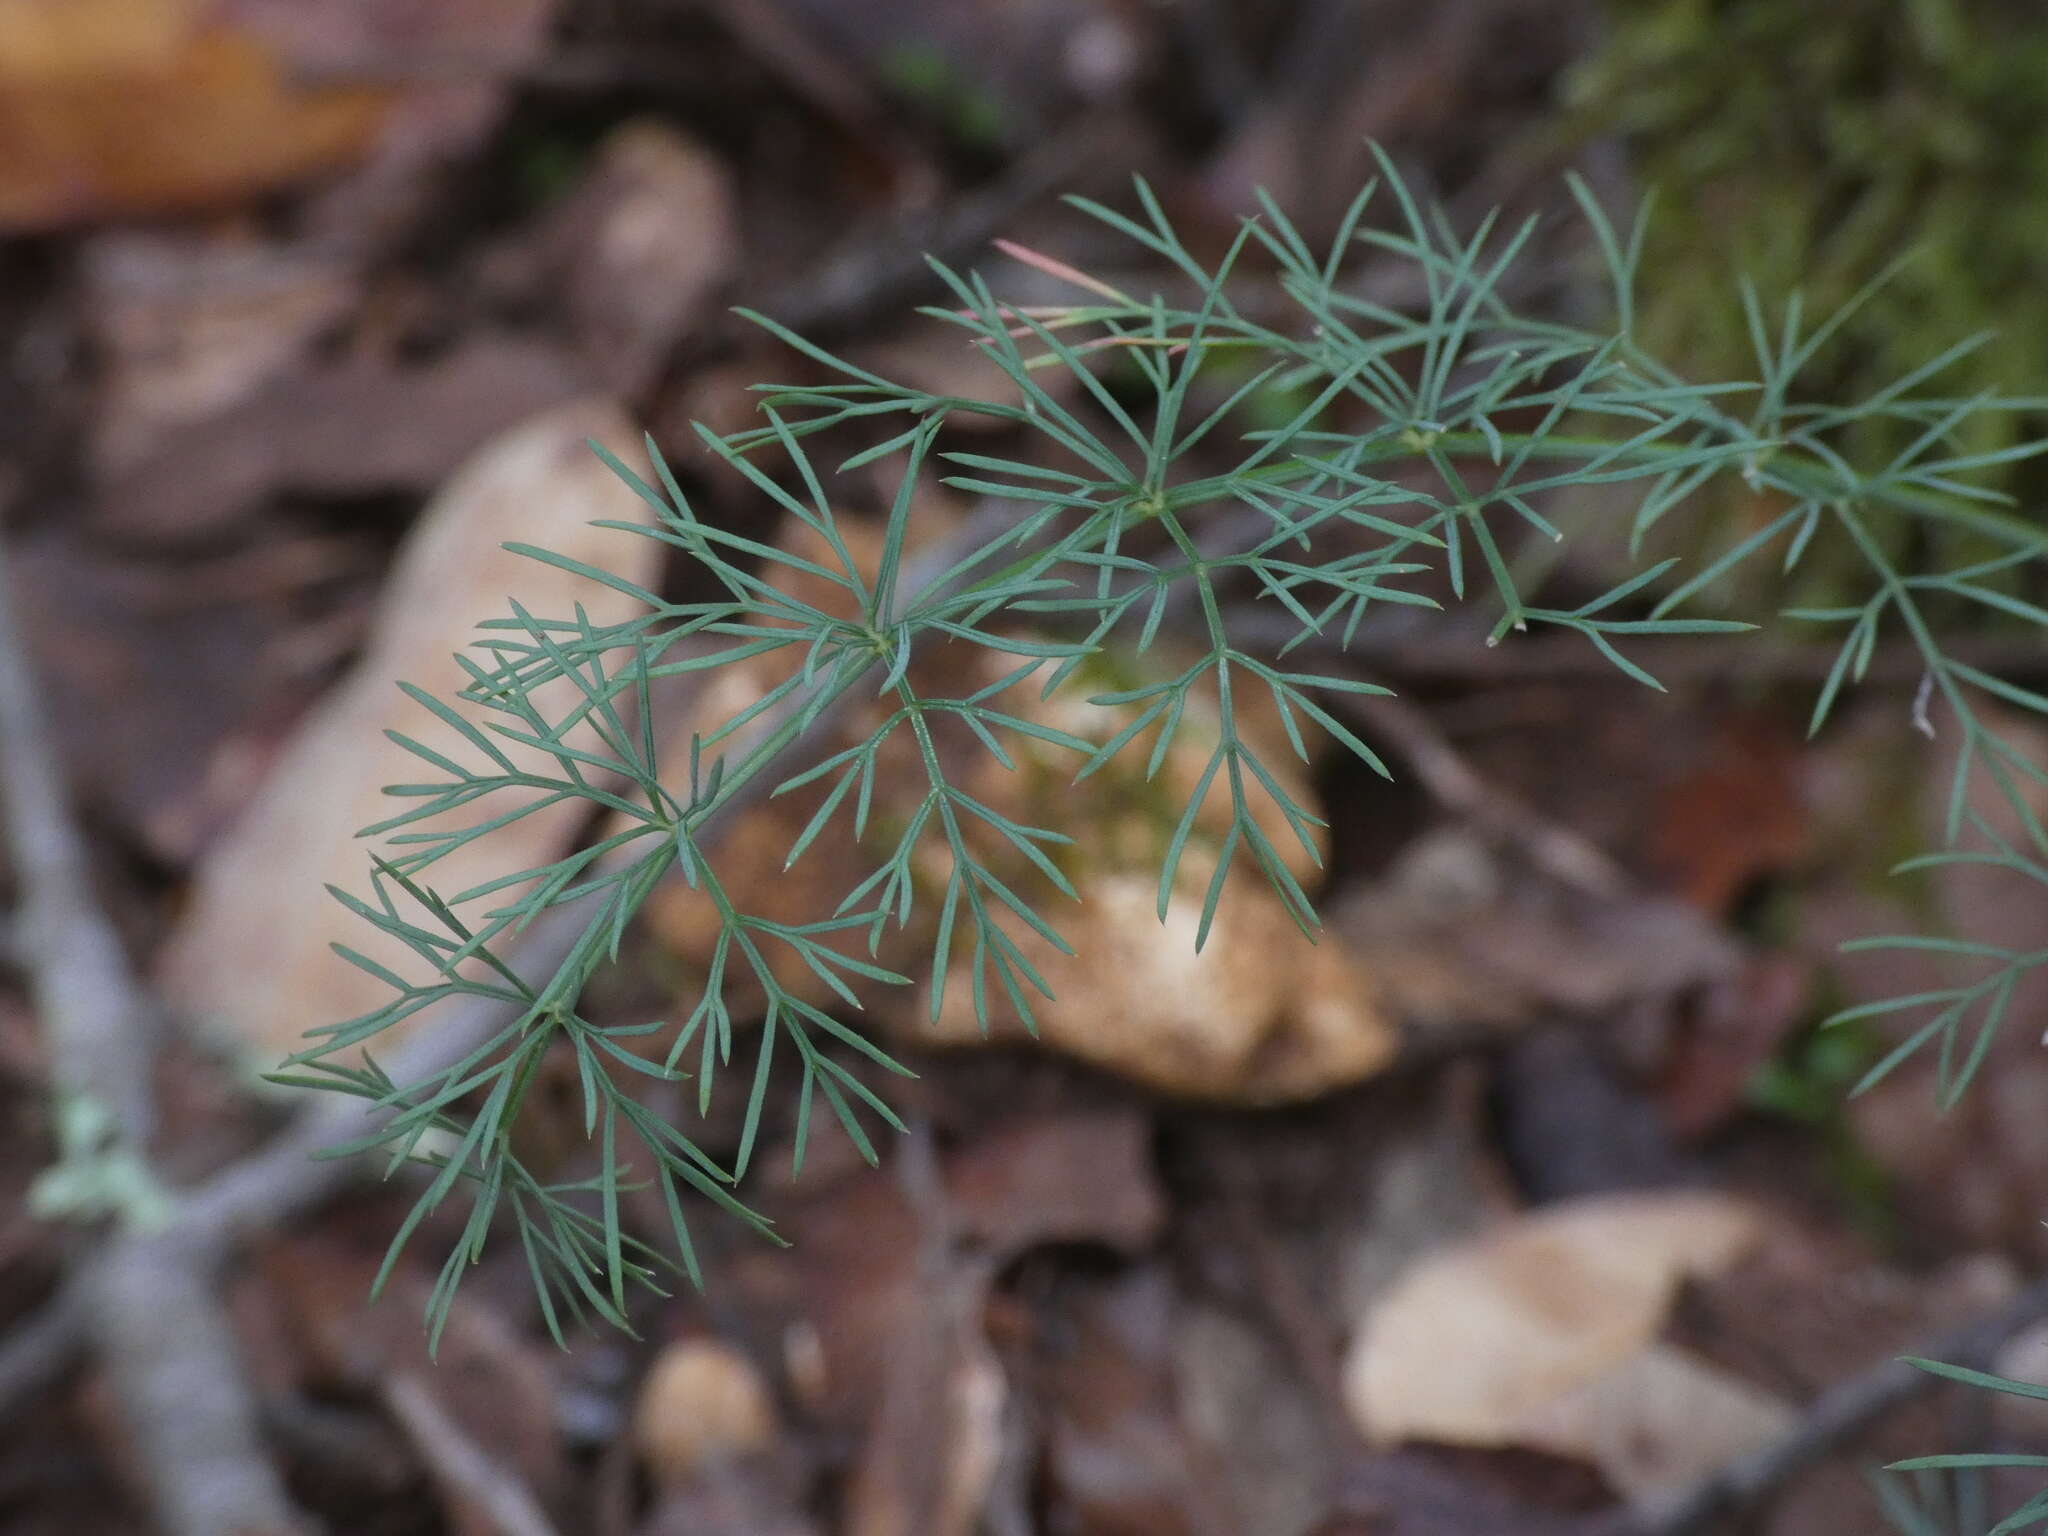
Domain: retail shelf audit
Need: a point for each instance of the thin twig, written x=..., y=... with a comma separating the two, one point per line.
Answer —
x=1454, y=784
x=1837, y=1417
x=471, y=1477
x=872, y=275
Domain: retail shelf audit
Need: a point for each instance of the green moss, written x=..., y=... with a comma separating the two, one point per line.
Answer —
x=1810, y=146
x=1808, y=1083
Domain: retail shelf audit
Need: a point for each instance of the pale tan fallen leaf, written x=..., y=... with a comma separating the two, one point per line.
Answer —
x=250, y=958
x=2023, y=1358
x=1262, y=1014
x=751, y=854
x=1659, y=1422
x=1544, y=1334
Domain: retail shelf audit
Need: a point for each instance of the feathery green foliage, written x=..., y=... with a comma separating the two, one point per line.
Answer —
x=1262, y=448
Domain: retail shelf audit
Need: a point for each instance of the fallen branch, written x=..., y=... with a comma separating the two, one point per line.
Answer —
x=149, y=1315
x=156, y=1325
x=96, y=1022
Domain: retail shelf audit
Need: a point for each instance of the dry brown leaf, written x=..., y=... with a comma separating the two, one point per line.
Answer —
x=881, y=1300
x=879, y=1313
x=434, y=124
x=1463, y=930
x=933, y=1444
x=190, y=322
x=1544, y=1334
x=115, y=107
x=1730, y=1036
x=1119, y=1452
x=1242, y=1395
x=1738, y=817
x=1429, y=1491
x=359, y=427
x=703, y=1403
x=839, y=1296
x=642, y=245
x=251, y=956
x=166, y=682
x=1081, y=1177
x=761, y=1497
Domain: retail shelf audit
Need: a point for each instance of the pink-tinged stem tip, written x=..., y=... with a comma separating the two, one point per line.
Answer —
x=1053, y=267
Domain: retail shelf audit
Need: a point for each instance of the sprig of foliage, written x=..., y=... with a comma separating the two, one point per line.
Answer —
x=1413, y=452
x=1969, y=1467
